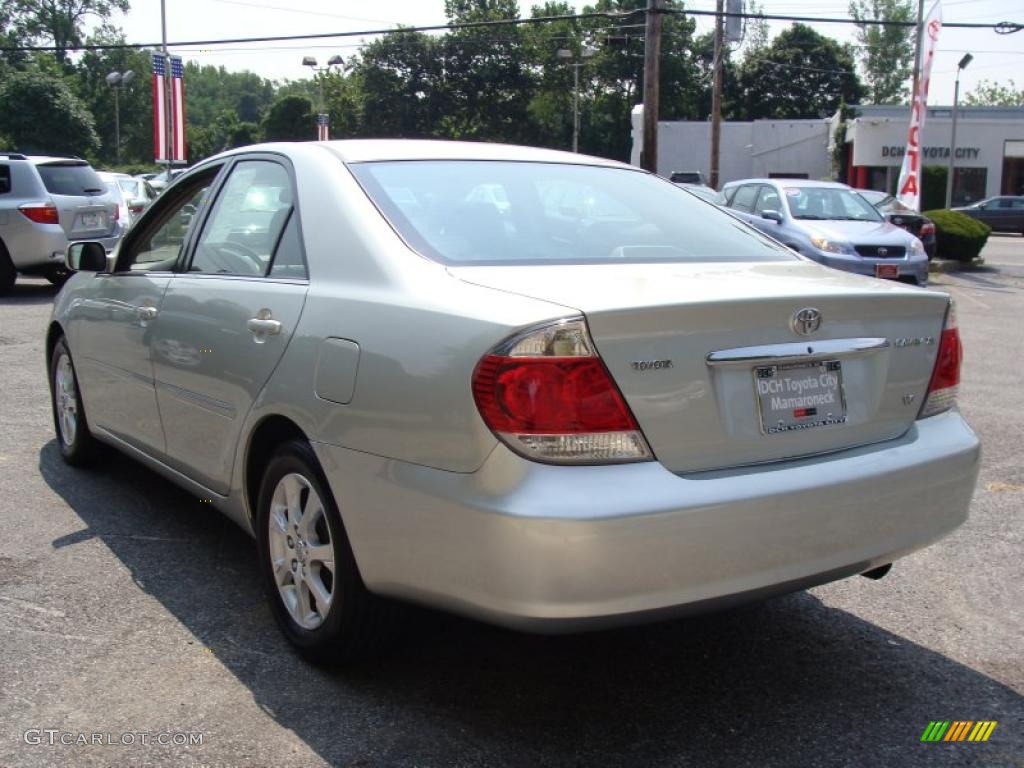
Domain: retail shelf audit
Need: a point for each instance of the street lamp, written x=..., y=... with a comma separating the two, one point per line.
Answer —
x=967, y=59
x=565, y=54
x=322, y=119
x=118, y=80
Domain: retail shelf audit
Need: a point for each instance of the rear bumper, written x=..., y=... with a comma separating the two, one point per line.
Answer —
x=37, y=247
x=548, y=548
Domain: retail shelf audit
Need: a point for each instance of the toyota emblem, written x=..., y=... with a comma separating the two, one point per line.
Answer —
x=883, y=251
x=805, y=321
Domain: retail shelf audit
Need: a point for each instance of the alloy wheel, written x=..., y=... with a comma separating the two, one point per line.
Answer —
x=301, y=551
x=66, y=397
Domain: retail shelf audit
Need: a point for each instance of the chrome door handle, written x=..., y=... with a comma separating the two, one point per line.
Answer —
x=146, y=313
x=264, y=326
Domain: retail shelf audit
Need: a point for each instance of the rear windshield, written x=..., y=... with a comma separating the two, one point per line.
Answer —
x=499, y=212
x=67, y=179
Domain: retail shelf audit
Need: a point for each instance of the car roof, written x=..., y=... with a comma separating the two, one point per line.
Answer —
x=45, y=159
x=792, y=183
x=370, y=150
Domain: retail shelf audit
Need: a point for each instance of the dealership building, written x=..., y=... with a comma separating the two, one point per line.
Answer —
x=989, y=155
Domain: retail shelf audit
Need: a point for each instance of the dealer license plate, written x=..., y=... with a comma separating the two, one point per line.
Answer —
x=92, y=220
x=800, y=396
x=888, y=271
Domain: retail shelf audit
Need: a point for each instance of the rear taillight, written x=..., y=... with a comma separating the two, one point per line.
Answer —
x=41, y=213
x=117, y=213
x=548, y=396
x=136, y=208
x=928, y=228
x=945, y=381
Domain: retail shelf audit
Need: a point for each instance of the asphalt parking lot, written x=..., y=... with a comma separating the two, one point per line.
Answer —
x=129, y=608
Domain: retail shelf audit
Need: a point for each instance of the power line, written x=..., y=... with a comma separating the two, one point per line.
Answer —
x=1004, y=27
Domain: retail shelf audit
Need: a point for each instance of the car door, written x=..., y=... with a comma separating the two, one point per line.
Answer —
x=114, y=323
x=1012, y=209
x=743, y=201
x=227, y=317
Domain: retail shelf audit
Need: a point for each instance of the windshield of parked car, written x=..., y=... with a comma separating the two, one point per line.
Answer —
x=70, y=179
x=132, y=188
x=832, y=203
x=499, y=212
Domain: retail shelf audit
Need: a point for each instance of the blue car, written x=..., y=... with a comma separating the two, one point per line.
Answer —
x=830, y=223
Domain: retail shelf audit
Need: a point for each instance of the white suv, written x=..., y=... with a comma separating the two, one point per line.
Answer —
x=45, y=203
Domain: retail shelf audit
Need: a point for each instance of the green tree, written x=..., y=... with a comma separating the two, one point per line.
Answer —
x=887, y=52
x=801, y=74
x=488, y=82
x=135, y=98
x=290, y=118
x=61, y=22
x=396, y=89
x=49, y=118
x=617, y=73
x=995, y=94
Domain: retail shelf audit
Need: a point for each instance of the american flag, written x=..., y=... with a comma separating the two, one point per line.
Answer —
x=177, y=110
x=159, y=107
x=323, y=124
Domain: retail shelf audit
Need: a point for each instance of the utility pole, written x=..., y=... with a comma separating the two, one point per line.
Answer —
x=652, y=75
x=716, y=95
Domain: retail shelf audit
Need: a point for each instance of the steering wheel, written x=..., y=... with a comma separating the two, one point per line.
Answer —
x=235, y=258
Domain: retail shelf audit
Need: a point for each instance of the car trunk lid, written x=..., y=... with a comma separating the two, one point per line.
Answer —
x=686, y=344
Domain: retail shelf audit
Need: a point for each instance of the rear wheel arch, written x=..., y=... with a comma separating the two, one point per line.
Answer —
x=270, y=433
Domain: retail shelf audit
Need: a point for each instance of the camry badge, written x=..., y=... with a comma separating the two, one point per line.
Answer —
x=805, y=321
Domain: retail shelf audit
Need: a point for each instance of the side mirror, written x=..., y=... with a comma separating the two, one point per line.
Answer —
x=772, y=216
x=86, y=257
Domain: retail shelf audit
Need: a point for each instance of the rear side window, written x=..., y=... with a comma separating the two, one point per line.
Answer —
x=70, y=179
x=5, y=179
x=743, y=200
x=502, y=212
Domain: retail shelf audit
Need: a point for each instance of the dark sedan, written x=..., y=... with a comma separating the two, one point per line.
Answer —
x=902, y=216
x=1003, y=214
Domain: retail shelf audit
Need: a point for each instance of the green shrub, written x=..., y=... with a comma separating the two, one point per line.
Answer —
x=957, y=235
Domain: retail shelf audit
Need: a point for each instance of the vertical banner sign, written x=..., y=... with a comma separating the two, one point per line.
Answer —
x=159, y=105
x=322, y=127
x=908, y=189
x=178, y=110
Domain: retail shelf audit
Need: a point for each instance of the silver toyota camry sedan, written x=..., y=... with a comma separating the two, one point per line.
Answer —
x=545, y=390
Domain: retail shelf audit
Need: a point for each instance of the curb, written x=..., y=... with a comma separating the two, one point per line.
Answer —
x=942, y=266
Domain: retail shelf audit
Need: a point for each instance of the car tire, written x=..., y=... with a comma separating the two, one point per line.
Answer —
x=8, y=274
x=298, y=528
x=77, y=445
x=58, y=275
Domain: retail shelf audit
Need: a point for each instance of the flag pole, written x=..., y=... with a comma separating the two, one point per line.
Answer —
x=166, y=95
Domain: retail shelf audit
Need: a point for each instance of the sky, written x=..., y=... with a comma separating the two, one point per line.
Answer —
x=996, y=57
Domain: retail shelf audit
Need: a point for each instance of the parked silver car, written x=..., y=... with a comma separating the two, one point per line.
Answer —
x=831, y=224
x=44, y=203
x=599, y=402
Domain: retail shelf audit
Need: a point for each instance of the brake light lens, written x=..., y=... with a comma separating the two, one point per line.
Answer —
x=928, y=228
x=41, y=213
x=942, y=390
x=547, y=395
x=117, y=212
